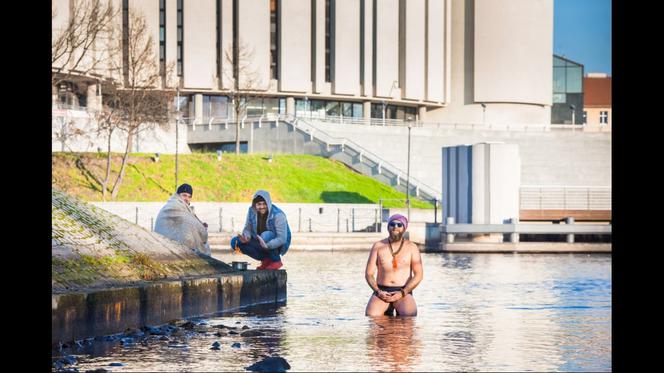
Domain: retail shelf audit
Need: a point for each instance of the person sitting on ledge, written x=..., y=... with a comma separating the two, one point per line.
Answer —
x=399, y=266
x=177, y=221
x=266, y=235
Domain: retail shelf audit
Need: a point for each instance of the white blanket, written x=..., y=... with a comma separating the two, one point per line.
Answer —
x=177, y=221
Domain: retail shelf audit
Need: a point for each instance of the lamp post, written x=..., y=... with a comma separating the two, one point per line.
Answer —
x=572, y=109
x=408, y=174
x=177, y=136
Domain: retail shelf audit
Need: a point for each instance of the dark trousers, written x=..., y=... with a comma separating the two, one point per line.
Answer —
x=253, y=247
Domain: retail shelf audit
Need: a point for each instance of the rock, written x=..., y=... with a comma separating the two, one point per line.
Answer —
x=69, y=359
x=220, y=334
x=164, y=338
x=233, y=332
x=237, y=322
x=188, y=325
x=270, y=364
x=98, y=370
x=116, y=364
x=216, y=344
x=127, y=341
x=245, y=327
x=252, y=333
x=236, y=345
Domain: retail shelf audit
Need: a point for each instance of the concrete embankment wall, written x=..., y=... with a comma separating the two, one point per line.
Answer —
x=81, y=315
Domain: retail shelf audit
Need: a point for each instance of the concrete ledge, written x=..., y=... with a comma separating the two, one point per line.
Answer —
x=525, y=247
x=80, y=315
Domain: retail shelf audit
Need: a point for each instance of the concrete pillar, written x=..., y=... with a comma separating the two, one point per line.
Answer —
x=92, y=98
x=570, y=237
x=514, y=237
x=290, y=105
x=198, y=108
x=450, y=236
x=366, y=111
x=421, y=113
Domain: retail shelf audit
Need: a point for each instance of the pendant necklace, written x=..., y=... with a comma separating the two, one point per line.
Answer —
x=394, y=255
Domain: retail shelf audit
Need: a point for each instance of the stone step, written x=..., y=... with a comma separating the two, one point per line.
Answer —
x=313, y=238
x=365, y=246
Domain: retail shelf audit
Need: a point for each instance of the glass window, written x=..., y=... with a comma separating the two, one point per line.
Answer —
x=603, y=117
x=559, y=98
x=300, y=108
x=558, y=61
x=358, y=110
x=347, y=109
x=270, y=106
x=333, y=109
x=317, y=108
x=219, y=106
x=574, y=80
x=282, y=106
x=558, y=79
x=254, y=107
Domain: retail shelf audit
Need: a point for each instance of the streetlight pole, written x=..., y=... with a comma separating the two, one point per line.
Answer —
x=483, y=113
x=408, y=174
x=177, y=137
x=572, y=108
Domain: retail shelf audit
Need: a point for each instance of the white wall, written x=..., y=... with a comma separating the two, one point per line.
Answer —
x=254, y=31
x=346, y=54
x=387, y=46
x=199, y=63
x=295, y=46
x=513, y=51
x=414, y=50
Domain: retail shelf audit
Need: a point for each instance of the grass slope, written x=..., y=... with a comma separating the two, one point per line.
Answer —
x=288, y=178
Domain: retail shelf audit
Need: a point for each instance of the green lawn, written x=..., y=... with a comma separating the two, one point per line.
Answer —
x=288, y=178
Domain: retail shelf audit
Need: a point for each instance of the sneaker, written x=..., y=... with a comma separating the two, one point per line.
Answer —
x=274, y=265
x=264, y=263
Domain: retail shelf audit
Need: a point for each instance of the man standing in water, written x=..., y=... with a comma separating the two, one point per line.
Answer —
x=399, y=271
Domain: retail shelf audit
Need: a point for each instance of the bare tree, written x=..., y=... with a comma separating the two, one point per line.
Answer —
x=246, y=80
x=141, y=102
x=82, y=44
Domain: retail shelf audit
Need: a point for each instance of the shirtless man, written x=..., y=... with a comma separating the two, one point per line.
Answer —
x=399, y=271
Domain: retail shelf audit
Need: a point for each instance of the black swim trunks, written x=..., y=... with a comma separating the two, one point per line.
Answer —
x=391, y=289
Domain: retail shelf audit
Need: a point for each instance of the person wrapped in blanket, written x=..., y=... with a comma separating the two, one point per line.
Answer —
x=177, y=221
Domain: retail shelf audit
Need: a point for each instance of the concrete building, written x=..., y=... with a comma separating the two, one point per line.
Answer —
x=442, y=61
x=597, y=101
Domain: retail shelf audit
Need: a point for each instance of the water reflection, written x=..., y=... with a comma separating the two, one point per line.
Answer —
x=476, y=312
x=392, y=343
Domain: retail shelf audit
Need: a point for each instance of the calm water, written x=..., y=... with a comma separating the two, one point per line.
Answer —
x=477, y=312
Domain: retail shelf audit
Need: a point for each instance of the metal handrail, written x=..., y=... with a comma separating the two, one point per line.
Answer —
x=381, y=162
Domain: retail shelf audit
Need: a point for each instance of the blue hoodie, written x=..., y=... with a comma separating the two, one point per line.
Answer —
x=276, y=222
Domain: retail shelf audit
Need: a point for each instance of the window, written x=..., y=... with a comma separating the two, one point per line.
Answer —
x=328, y=40
x=603, y=117
x=274, y=39
x=125, y=39
x=162, y=37
x=180, y=57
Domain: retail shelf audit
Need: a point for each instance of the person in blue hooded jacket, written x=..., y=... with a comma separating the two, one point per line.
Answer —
x=266, y=235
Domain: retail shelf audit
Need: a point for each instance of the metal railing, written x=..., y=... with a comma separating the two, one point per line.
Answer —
x=539, y=197
x=362, y=153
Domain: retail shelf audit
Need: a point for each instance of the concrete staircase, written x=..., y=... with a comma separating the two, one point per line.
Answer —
x=312, y=241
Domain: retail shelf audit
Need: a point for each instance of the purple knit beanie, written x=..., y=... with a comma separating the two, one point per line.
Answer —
x=400, y=218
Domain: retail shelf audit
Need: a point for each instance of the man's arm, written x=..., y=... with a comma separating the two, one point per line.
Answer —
x=281, y=227
x=370, y=271
x=418, y=270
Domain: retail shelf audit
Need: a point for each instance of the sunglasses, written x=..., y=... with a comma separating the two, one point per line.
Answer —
x=397, y=224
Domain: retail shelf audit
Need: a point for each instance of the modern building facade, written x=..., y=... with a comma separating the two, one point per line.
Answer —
x=444, y=61
x=568, y=91
x=597, y=101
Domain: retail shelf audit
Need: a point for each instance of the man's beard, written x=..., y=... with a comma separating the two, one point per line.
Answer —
x=395, y=236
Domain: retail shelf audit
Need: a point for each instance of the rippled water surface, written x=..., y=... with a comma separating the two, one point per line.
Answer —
x=476, y=312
